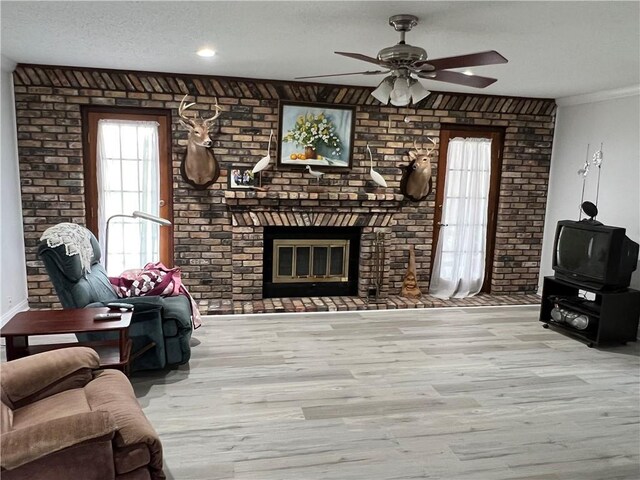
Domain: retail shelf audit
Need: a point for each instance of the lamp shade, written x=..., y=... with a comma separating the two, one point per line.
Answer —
x=152, y=218
x=401, y=95
x=383, y=91
x=418, y=92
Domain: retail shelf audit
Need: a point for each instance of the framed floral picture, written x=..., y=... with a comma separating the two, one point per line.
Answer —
x=317, y=135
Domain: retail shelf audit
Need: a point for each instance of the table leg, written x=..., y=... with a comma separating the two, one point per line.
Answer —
x=124, y=340
x=17, y=346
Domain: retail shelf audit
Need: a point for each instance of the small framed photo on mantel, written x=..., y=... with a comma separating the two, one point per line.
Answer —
x=316, y=135
x=241, y=178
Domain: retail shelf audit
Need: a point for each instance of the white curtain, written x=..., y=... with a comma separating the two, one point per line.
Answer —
x=458, y=269
x=128, y=179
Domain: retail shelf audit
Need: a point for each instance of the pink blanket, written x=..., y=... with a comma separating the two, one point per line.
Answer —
x=154, y=279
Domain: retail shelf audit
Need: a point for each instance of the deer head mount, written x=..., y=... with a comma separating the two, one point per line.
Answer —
x=416, y=183
x=199, y=167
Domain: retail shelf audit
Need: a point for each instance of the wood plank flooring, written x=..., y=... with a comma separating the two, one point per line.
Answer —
x=455, y=394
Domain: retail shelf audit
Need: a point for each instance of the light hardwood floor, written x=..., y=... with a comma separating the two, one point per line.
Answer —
x=478, y=393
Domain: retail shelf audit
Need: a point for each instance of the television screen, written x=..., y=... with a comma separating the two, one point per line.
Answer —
x=583, y=252
x=594, y=255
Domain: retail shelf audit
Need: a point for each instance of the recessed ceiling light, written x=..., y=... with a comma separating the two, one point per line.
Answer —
x=468, y=72
x=206, y=52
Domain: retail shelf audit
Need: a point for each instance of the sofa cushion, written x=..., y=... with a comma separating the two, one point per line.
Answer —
x=75, y=287
x=63, y=404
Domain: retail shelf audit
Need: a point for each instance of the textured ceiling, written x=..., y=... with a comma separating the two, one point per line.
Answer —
x=555, y=49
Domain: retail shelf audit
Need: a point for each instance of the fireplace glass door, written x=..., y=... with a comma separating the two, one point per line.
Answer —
x=310, y=261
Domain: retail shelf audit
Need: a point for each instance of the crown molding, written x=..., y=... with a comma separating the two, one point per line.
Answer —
x=599, y=96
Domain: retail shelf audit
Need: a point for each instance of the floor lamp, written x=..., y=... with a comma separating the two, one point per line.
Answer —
x=163, y=222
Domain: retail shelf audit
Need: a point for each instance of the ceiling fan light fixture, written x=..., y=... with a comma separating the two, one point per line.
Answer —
x=401, y=95
x=383, y=91
x=418, y=92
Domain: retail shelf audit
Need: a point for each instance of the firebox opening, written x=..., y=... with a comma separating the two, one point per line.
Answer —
x=311, y=261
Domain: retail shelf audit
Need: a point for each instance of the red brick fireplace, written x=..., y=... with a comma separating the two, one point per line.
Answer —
x=253, y=211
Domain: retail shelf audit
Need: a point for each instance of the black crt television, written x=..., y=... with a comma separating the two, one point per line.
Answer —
x=590, y=254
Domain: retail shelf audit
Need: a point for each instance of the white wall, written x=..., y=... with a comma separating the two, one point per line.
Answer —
x=13, y=275
x=612, y=118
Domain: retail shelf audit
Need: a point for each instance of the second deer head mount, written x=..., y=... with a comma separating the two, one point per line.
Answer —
x=416, y=183
x=199, y=167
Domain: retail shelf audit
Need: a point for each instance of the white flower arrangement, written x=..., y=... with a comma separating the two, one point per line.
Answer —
x=313, y=130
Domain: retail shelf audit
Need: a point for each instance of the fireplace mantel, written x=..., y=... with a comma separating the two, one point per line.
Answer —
x=283, y=208
x=237, y=197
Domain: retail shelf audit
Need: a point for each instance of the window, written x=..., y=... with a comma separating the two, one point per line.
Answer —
x=126, y=172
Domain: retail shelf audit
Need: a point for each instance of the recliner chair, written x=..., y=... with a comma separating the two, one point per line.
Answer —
x=62, y=418
x=166, y=321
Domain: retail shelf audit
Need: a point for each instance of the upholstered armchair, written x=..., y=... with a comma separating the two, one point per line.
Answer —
x=64, y=419
x=165, y=321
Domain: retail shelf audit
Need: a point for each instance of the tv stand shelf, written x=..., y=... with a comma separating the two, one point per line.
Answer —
x=613, y=315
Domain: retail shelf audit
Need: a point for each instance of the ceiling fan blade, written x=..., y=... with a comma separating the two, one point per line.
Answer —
x=370, y=72
x=359, y=56
x=490, y=57
x=459, y=78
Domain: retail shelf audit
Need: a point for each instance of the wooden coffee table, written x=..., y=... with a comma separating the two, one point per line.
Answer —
x=113, y=353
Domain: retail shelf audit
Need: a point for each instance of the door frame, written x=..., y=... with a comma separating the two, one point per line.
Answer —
x=496, y=134
x=90, y=117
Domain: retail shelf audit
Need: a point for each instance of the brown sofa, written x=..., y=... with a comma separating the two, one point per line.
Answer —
x=62, y=418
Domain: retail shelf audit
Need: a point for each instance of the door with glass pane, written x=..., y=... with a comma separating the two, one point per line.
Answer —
x=127, y=170
x=466, y=205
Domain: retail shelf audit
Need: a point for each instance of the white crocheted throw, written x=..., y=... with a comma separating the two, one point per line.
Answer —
x=76, y=241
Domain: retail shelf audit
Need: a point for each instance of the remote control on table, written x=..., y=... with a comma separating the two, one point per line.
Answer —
x=107, y=316
x=117, y=305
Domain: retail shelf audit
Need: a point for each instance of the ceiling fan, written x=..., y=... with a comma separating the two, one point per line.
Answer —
x=403, y=61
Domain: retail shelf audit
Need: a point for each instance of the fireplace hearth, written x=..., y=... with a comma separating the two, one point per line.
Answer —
x=311, y=261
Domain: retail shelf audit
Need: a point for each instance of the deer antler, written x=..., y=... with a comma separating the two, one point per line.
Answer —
x=209, y=121
x=182, y=108
x=427, y=152
x=435, y=144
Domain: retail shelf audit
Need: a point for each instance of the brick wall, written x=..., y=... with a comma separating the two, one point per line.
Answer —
x=48, y=110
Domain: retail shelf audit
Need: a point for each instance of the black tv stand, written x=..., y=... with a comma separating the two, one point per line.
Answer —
x=613, y=315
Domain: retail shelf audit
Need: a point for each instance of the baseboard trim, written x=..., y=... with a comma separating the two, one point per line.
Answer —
x=20, y=307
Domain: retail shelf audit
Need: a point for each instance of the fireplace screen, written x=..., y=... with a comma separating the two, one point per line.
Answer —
x=310, y=260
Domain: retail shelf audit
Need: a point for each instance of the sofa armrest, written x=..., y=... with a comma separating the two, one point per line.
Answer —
x=111, y=391
x=66, y=368
x=27, y=444
x=178, y=308
x=141, y=304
